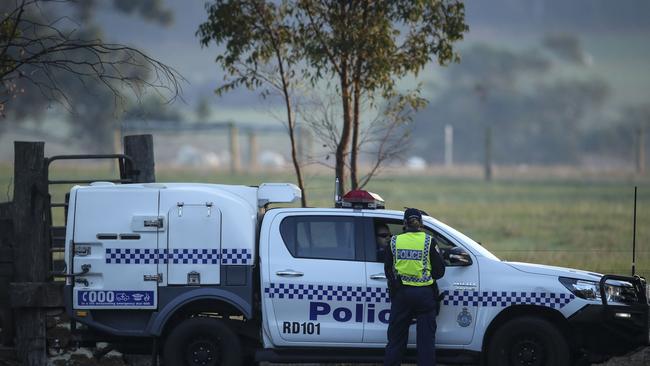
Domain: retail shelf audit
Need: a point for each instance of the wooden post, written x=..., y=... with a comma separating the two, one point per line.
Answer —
x=449, y=145
x=304, y=144
x=640, y=152
x=140, y=149
x=31, y=248
x=117, y=147
x=6, y=272
x=234, y=149
x=488, y=153
x=252, y=151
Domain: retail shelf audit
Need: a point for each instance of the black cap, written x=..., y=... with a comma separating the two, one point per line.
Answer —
x=412, y=212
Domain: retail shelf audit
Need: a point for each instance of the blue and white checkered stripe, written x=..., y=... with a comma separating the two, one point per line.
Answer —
x=236, y=256
x=294, y=291
x=326, y=292
x=193, y=256
x=135, y=256
x=507, y=298
x=178, y=256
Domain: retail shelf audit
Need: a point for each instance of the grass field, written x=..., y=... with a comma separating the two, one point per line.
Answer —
x=581, y=222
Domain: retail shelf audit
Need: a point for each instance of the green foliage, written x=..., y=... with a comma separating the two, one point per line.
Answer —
x=251, y=31
x=359, y=46
x=48, y=56
x=379, y=42
x=376, y=42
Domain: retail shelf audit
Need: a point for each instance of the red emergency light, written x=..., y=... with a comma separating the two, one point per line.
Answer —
x=362, y=199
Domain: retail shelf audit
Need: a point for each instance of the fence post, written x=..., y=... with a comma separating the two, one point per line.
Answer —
x=640, y=152
x=31, y=248
x=234, y=149
x=140, y=149
x=306, y=145
x=449, y=145
x=6, y=272
x=252, y=151
x=487, y=168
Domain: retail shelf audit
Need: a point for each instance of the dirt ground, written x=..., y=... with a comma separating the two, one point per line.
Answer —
x=84, y=357
x=62, y=352
x=81, y=358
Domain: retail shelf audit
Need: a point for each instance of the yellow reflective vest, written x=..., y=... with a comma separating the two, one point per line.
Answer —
x=411, y=258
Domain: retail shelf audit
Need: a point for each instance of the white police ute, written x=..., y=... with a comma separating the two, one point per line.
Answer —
x=217, y=277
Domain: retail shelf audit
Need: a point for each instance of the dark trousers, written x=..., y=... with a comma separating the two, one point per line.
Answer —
x=412, y=302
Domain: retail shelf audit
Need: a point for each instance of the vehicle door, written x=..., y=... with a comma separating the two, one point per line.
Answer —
x=459, y=285
x=314, y=287
x=193, y=244
x=116, y=242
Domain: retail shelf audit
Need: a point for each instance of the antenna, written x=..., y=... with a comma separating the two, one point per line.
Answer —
x=337, y=192
x=634, y=236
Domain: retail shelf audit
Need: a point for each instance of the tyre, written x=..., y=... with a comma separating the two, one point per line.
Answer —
x=202, y=342
x=528, y=341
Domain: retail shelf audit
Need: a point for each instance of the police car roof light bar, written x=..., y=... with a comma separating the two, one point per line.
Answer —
x=362, y=199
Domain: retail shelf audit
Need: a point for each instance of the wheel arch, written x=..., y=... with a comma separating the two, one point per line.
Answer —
x=198, y=301
x=551, y=315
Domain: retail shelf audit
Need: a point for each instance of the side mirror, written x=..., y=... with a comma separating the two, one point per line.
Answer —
x=457, y=257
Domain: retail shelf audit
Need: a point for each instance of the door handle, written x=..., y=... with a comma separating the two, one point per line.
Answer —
x=289, y=273
x=378, y=276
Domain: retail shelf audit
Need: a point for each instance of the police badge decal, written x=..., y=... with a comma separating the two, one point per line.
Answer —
x=464, y=318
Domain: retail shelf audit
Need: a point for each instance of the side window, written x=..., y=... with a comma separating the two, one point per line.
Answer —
x=320, y=237
x=381, y=231
x=442, y=242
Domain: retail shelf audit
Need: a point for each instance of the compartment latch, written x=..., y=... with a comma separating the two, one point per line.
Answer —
x=157, y=277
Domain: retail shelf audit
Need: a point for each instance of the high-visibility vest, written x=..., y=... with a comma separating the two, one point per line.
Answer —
x=411, y=258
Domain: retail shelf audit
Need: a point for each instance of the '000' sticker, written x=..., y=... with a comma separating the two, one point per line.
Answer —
x=115, y=298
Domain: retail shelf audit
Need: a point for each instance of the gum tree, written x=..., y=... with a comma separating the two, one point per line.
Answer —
x=361, y=48
x=259, y=40
x=365, y=47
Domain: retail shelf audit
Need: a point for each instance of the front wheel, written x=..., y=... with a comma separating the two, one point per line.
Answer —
x=528, y=341
x=202, y=342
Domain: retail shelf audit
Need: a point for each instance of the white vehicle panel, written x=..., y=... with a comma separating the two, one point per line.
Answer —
x=194, y=244
x=307, y=301
x=119, y=258
x=228, y=218
x=503, y=286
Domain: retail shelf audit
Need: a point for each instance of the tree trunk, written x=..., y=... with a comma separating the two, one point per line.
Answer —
x=294, y=155
x=356, y=118
x=354, y=177
x=342, y=147
x=292, y=129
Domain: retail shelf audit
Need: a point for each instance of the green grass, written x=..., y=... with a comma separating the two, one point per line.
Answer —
x=581, y=223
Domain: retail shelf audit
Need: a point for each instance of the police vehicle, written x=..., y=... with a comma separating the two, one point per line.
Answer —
x=217, y=277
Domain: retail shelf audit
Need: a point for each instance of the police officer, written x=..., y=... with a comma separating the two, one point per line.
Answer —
x=412, y=266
